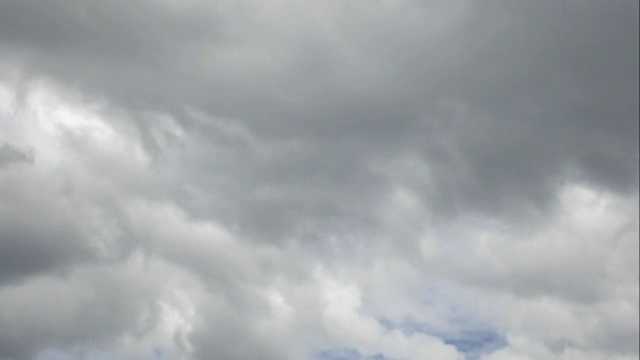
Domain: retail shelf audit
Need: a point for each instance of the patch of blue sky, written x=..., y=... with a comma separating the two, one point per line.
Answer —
x=469, y=337
x=474, y=344
x=473, y=341
x=460, y=320
x=159, y=353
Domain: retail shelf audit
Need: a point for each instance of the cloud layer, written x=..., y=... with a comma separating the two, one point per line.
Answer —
x=288, y=179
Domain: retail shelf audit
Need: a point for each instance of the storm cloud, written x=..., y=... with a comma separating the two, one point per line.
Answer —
x=352, y=179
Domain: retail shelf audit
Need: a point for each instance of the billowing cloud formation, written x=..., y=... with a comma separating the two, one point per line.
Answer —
x=412, y=179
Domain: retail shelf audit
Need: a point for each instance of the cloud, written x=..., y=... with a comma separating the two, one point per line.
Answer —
x=10, y=154
x=393, y=179
x=102, y=305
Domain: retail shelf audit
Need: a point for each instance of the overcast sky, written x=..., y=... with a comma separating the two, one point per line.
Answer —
x=319, y=180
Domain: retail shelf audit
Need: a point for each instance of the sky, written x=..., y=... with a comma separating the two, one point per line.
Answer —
x=319, y=180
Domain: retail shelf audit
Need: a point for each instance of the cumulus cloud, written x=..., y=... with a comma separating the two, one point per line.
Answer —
x=338, y=180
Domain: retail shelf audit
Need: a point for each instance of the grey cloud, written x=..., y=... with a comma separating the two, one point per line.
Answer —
x=30, y=248
x=295, y=124
x=526, y=76
x=93, y=305
x=10, y=154
x=36, y=233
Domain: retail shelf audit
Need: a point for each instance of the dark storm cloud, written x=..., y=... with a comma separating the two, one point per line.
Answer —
x=502, y=102
x=504, y=106
x=31, y=239
x=561, y=69
x=28, y=248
